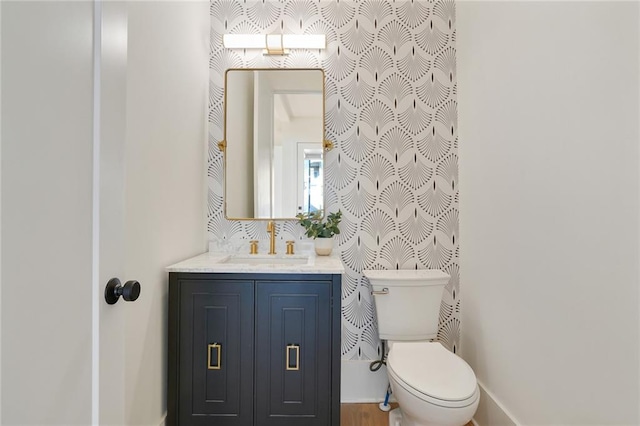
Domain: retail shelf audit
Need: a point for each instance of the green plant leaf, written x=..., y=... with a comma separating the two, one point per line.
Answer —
x=316, y=228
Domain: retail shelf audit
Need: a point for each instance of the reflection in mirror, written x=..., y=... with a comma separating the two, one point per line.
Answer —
x=274, y=130
x=312, y=187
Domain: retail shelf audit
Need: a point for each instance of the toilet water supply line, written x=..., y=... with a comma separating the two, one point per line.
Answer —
x=375, y=366
x=384, y=406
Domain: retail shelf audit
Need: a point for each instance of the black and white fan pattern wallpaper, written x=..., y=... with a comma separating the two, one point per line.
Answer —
x=391, y=111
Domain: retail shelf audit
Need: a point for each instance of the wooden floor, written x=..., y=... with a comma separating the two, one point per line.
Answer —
x=363, y=415
x=366, y=415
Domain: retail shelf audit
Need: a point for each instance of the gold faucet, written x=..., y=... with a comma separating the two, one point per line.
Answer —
x=290, y=247
x=271, y=228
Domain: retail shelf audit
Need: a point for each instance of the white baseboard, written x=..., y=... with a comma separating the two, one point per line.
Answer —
x=491, y=412
x=358, y=384
x=163, y=422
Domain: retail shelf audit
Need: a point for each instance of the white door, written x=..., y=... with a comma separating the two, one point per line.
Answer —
x=309, y=169
x=76, y=213
x=47, y=241
x=109, y=212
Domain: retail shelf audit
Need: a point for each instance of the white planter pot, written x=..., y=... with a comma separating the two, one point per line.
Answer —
x=323, y=246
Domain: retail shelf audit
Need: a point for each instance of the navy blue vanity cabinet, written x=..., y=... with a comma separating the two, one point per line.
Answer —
x=293, y=353
x=254, y=349
x=211, y=352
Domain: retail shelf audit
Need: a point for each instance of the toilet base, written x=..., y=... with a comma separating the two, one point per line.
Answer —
x=395, y=417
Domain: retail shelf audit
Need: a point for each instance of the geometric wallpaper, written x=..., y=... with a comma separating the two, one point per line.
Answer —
x=391, y=112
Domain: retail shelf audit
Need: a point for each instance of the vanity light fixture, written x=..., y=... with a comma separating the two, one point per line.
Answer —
x=274, y=44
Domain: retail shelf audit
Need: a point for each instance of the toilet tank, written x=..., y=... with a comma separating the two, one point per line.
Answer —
x=407, y=302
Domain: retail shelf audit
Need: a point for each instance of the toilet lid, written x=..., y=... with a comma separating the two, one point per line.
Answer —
x=431, y=369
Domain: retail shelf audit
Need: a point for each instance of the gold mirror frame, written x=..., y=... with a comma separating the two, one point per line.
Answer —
x=222, y=145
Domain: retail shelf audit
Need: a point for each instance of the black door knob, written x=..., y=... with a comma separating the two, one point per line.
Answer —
x=129, y=291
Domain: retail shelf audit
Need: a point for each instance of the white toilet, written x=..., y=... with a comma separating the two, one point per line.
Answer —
x=432, y=385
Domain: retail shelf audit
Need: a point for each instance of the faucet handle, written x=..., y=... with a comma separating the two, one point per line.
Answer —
x=253, y=249
x=290, y=247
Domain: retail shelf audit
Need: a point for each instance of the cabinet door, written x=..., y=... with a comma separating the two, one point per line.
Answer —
x=293, y=353
x=216, y=353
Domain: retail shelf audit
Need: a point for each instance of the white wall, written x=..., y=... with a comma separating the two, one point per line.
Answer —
x=239, y=135
x=0, y=218
x=46, y=191
x=549, y=184
x=262, y=146
x=167, y=89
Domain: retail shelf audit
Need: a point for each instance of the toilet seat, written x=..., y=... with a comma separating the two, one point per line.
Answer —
x=432, y=373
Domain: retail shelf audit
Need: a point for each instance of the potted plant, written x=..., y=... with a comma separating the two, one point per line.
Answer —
x=322, y=231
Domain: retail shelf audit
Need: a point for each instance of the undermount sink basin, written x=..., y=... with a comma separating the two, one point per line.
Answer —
x=257, y=259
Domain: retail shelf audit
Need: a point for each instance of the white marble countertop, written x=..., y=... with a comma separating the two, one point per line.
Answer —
x=217, y=262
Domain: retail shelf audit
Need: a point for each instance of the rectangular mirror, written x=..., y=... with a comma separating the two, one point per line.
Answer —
x=273, y=143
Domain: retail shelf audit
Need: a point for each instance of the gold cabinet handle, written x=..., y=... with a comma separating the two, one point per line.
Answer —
x=290, y=366
x=218, y=349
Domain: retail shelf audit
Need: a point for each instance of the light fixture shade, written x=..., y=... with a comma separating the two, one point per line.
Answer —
x=274, y=43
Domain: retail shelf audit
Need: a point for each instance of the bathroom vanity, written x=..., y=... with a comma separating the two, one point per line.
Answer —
x=254, y=340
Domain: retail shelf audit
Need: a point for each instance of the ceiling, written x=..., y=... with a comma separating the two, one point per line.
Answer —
x=290, y=106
